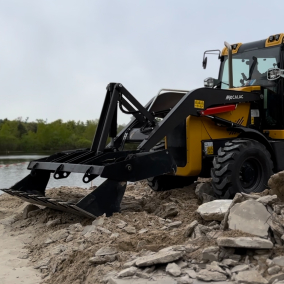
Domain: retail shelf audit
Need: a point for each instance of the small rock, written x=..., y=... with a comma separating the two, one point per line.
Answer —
x=130, y=230
x=59, y=235
x=214, y=210
x=142, y=231
x=245, y=242
x=279, y=277
x=53, y=223
x=207, y=275
x=106, y=251
x=103, y=230
x=114, y=235
x=250, y=277
x=229, y=262
x=175, y=224
x=129, y=263
x=149, y=269
x=102, y=259
x=190, y=272
x=121, y=224
x=76, y=228
x=128, y=272
x=240, y=268
x=48, y=241
x=29, y=208
x=269, y=262
x=279, y=260
x=43, y=262
x=167, y=210
x=173, y=269
x=273, y=270
x=210, y=253
x=159, y=257
x=268, y=199
x=190, y=228
x=184, y=280
x=69, y=238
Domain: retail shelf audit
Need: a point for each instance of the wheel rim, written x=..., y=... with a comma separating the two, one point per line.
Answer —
x=250, y=174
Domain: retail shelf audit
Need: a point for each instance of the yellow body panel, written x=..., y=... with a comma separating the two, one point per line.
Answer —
x=203, y=128
x=275, y=42
x=225, y=49
x=276, y=134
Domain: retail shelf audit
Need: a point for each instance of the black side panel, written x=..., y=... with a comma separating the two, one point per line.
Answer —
x=176, y=144
x=278, y=147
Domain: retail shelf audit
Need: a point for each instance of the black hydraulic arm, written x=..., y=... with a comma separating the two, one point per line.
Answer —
x=191, y=104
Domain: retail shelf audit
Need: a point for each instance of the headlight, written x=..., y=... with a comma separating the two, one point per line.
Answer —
x=209, y=82
x=273, y=74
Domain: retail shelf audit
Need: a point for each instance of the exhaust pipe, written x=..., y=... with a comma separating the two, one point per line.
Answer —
x=230, y=64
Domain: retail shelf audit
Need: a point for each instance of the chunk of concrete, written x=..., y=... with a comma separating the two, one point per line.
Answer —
x=106, y=251
x=159, y=257
x=173, y=269
x=190, y=228
x=251, y=217
x=158, y=280
x=276, y=183
x=268, y=199
x=210, y=253
x=128, y=272
x=279, y=260
x=29, y=208
x=214, y=210
x=207, y=275
x=244, y=242
x=250, y=277
x=239, y=268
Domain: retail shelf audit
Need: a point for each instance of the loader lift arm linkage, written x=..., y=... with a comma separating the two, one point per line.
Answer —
x=111, y=161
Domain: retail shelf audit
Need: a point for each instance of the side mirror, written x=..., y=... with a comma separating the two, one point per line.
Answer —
x=204, y=62
x=274, y=74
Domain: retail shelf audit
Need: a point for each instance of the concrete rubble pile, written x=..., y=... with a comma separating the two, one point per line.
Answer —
x=174, y=237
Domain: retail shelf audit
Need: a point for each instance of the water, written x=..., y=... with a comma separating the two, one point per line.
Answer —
x=14, y=167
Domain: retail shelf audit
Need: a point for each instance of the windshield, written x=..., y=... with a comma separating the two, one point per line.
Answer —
x=250, y=67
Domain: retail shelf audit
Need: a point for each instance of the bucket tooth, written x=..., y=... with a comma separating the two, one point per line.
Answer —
x=104, y=199
x=34, y=183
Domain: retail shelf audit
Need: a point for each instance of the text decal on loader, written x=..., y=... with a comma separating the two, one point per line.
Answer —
x=198, y=104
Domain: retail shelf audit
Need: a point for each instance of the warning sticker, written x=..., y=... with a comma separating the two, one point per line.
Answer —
x=199, y=104
x=208, y=148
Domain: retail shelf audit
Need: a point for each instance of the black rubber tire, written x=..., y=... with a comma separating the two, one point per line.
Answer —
x=165, y=182
x=243, y=165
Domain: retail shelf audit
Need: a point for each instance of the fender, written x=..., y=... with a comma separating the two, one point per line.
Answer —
x=253, y=134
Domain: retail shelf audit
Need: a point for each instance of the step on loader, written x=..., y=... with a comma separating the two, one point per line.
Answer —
x=232, y=130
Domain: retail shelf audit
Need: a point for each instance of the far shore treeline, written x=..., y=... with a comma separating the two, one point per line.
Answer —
x=24, y=136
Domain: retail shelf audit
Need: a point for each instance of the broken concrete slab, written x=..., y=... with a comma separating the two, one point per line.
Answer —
x=250, y=277
x=245, y=242
x=207, y=275
x=158, y=280
x=214, y=210
x=251, y=217
x=159, y=257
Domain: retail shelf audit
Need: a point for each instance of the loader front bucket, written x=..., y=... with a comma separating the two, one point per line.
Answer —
x=104, y=199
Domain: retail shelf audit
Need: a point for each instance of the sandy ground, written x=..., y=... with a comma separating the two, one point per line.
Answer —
x=13, y=269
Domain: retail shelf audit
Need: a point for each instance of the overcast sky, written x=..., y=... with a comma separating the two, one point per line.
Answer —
x=57, y=57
